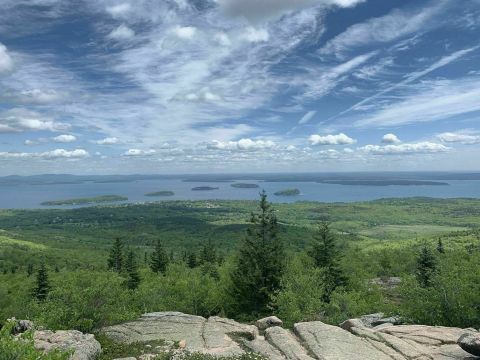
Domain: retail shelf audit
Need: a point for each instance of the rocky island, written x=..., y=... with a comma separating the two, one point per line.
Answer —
x=160, y=193
x=204, y=188
x=287, y=192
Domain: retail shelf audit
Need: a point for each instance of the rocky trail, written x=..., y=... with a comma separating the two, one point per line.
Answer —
x=370, y=337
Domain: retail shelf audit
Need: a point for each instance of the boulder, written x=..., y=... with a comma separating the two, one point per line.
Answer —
x=287, y=343
x=267, y=322
x=82, y=346
x=470, y=342
x=22, y=326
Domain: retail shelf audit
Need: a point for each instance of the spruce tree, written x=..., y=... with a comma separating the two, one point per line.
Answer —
x=209, y=253
x=426, y=267
x=131, y=266
x=192, y=260
x=42, y=284
x=440, y=247
x=259, y=263
x=159, y=260
x=115, y=260
x=326, y=256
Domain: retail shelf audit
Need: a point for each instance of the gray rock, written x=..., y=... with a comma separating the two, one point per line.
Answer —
x=470, y=342
x=22, y=326
x=264, y=348
x=287, y=343
x=267, y=322
x=83, y=346
x=328, y=342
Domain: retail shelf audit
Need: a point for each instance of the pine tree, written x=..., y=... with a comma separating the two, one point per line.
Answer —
x=29, y=269
x=192, y=260
x=115, y=260
x=159, y=260
x=42, y=284
x=209, y=253
x=426, y=267
x=131, y=266
x=326, y=256
x=440, y=247
x=259, y=263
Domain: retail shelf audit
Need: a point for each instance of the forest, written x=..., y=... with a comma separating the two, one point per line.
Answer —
x=89, y=267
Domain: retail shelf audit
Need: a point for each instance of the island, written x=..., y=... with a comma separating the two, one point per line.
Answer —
x=160, y=193
x=244, y=186
x=287, y=192
x=204, y=188
x=86, y=201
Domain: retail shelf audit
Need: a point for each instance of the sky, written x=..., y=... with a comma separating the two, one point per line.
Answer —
x=206, y=86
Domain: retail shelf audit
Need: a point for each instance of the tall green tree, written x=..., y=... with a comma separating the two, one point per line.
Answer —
x=42, y=284
x=326, y=256
x=440, y=247
x=209, y=253
x=159, y=261
x=116, y=257
x=260, y=263
x=426, y=267
x=192, y=261
x=30, y=269
x=131, y=266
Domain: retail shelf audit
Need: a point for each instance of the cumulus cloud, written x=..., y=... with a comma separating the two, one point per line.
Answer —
x=121, y=33
x=47, y=155
x=256, y=10
x=390, y=139
x=307, y=117
x=139, y=152
x=19, y=119
x=66, y=138
x=241, y=145
x=6, y=63
x=462, y=137
x=107, y=141
x=339, y=139
x=119, y=11
x=405, y=149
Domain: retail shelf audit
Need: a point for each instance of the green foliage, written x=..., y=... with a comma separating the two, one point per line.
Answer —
x=259, y=263
x=115, y=260
x=426, y=267
x=22, y=348
x=42, y=285
x=159, y=260
x=440, y=247
x=133, y=280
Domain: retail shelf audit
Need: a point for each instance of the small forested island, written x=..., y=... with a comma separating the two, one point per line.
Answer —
x=244, y=186
x=85, y=201
x=287, y=192
x=384, y=182
x=204, y=188
x=160, y=193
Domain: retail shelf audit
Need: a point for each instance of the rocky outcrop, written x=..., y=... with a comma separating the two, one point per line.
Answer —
x=470, y=342
x=82, y=346
x=371, y=337
x=267, y=322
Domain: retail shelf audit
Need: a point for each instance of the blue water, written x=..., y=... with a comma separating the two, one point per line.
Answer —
x=30, y=196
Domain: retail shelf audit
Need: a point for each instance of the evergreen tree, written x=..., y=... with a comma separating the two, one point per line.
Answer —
x=426, y=267
x=131, y=266
x=42, y=284
x=259, y=263
x=192, y=260
x=440, y=247
x=159, y=260
x=29, y=269
x=115, y=260
x=209, y=253
x=326, y=256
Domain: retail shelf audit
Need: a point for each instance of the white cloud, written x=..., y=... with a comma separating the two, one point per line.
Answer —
x=123, y=32
x=394, y=25
x=307, y=117
x=6, y=62
x=66, y=138
x=263, y=9
x=256, y=35
x=339, y=139
x=405, y=149
x=462, y=137
x=139, y=152
x=390, y=139
x=37, y=96
x=48, y=155
x=185, y=32
x=107, y=141
x=119, y=11
x=242, y=145
x=19, y=119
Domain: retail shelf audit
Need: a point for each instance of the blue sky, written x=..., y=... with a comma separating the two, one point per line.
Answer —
x=199, y=86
